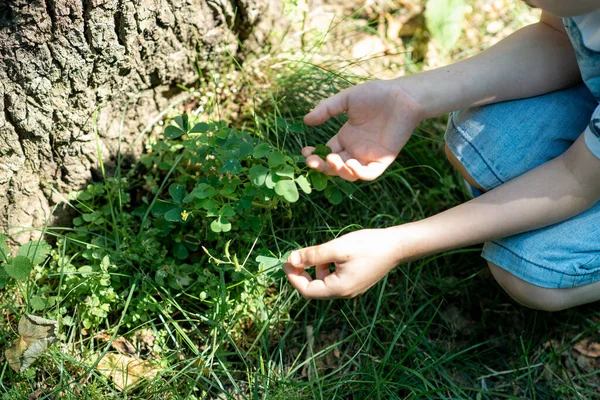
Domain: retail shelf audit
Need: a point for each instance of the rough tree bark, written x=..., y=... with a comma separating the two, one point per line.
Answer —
x=62, y=59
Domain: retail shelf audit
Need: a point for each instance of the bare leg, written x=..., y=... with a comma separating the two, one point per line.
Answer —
x=523, y=292
x=544, y=299
x=461, y=169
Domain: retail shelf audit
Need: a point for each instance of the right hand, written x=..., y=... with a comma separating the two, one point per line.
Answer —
x=381, y=118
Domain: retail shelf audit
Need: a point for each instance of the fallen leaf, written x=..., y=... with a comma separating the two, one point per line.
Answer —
x=103, y=336
x=36, y=334
x=122, y=345
x=125, y=371
x=588, y=347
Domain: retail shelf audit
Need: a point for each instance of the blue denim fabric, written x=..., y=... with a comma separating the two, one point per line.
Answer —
x=589, y=64
x=501, y=141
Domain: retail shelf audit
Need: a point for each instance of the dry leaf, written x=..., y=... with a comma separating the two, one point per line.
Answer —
x=588, y=348
x=125, y=371
x=122, y=345
x=36, y=334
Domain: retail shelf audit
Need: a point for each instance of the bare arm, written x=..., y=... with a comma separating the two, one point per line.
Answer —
x=536, y=59
x=383, y=114
x=533, y=61
x=552, y=192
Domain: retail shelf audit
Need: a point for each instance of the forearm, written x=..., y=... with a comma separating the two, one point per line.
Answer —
x=553, y=192
x=536, y=59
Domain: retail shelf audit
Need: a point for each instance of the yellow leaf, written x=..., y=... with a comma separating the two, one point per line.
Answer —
x=36, y=334
x=125, y=371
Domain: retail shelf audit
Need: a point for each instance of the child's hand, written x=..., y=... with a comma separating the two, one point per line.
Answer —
x=361, y=259
x=381, y=118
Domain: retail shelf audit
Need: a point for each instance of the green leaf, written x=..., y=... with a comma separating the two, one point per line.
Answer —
x=286, y=171
x=4, y=252
x=180, y=251
x=177, y=192
x=287, y=188
x=245, y=150
x=261, y=150
x=182, y=122
x=37, y=252
x=220, y=225
x=210, y=206
x=228, y=190
x=173, y=132
x=85, y=271
x=231, y=166
x=333, y=194
x=202, y=191
x=265, y=262
x=174, y=215
x=444, y=20
x=297, y=128
x=3, y=277
x=222, y=133
x=215, y=226
x=347, y=187
x=258, y=173
x=318, y=179
x=225, y=225
x=227, y=211
x=322, y=151
x=254, y=222
x=270, y=180
x=37, y=303
x=304, y=184
x=200, y=127
x=19, y=268
x=161, y=207
x=275, y=159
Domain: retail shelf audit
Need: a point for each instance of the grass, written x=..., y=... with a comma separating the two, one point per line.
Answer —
x=434, y=328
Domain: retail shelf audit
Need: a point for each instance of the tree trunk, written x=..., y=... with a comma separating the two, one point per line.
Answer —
x=60, y=60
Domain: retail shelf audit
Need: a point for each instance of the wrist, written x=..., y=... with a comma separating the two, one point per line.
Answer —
x=410, y=241
x=419, y=90
x=409, y=96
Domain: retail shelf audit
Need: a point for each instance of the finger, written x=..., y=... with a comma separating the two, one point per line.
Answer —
x=307, y=151
x=316, y=255
x=329, y=288
x=339, y=166
x=296, y=276
x=322, y=271
x=317, y=163
x=345, y=156
x=366, y=173
x=328, y=108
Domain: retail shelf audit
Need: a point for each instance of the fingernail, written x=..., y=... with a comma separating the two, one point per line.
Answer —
x=294, y=258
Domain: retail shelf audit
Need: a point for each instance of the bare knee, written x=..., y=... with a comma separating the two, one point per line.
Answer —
x=527, y=294
x=461, y=168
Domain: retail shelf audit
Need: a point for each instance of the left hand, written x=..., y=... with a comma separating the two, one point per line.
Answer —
x=361, y=259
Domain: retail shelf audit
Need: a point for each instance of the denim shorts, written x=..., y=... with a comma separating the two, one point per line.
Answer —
x=501, y=141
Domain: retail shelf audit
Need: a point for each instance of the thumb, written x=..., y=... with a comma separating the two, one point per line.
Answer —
x=315, y=255
x=328, y=108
